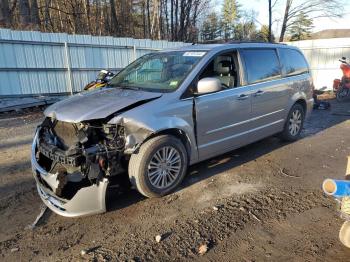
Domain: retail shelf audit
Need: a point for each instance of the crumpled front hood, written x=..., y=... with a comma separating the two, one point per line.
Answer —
x=96, y=104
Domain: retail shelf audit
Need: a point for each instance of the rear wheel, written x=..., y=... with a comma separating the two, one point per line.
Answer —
x=294, y=123
x=159, y=166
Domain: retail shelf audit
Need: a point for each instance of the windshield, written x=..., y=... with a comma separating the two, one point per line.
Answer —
x=162, y=72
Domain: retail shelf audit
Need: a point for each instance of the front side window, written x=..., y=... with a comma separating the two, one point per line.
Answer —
x=162, y=72
x=293, y=62
x=224, y=67
x=261, y=65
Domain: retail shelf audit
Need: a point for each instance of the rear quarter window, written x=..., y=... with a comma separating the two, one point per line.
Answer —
x=293, y=62
x=261, y=65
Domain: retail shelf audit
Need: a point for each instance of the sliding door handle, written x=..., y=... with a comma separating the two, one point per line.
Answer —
x=258, y=93
x=242, y=97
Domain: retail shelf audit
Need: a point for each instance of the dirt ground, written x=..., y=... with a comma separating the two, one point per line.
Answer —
x=262, y=202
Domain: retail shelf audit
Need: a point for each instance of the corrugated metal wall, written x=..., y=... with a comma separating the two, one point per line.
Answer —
x=41, y=63
x=323, y=56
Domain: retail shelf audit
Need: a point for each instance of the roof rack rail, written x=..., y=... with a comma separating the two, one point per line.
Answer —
x=222, y=41
x=253, y=41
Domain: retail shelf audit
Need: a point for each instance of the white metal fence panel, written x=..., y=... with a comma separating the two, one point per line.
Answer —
x=323, y=56
x=43, y=63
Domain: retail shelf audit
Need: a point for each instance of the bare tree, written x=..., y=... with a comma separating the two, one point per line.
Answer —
x=5, y=15
x=34, y=10
x=155, y=20
x=158, y=19
x=24, y=11
x=272, y=5
x=270, y=20
x=312, y=8
x=114, y=19
x=88, y=14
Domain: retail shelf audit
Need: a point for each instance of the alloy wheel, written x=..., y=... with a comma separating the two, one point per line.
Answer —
x=295, y=122
x=164, y=167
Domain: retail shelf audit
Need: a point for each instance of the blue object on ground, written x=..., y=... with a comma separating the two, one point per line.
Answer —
x=336, y=188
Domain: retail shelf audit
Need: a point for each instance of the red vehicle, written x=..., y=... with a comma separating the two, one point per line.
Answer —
x=342, y=87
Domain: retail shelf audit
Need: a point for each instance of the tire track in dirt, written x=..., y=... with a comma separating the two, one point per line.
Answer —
x=211, y=227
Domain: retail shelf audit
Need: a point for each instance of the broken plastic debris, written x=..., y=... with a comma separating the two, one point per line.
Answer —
x=158, y=238
x=83, y=252
x=43, y=208
x=202, y=249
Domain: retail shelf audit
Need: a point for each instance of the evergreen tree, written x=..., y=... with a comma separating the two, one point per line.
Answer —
x=211, y=27
x=301, y=28
x=263, y=34
x=230, y=15
x=245, y=29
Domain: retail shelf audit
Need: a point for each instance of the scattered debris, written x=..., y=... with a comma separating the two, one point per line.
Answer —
x=203, y=249
x=254, y=216
x=97, y=253
x=210, y=182
x=158, y=238
x=283, y=171
x=162, y=237
x=322, y=105
x=171, y=198
x=15, y=249
x=43, y=208
x=83, y=252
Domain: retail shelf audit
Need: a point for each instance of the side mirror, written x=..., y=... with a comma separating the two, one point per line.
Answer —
x=208, y=85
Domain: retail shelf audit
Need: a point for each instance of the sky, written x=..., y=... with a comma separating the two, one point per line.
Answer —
x=261, y=6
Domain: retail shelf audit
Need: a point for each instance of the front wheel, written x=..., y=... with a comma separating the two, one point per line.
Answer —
x=294, y=123
x=342, y=93
x=159, y=166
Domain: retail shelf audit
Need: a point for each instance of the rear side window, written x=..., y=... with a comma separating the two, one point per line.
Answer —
x=293, y=62
x=261, y=65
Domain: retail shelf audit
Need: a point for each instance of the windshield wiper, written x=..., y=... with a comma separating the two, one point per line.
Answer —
x=124, y=86
x=130, y=87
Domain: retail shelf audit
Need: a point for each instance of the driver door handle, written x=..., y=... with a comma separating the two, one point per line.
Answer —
x=258, y=93
x=242, y=97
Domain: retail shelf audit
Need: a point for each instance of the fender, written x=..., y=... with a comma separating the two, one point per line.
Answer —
x=300, y=91
x=300, y=96
x=138, y=131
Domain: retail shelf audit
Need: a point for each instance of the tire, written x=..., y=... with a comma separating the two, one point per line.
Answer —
x=297, y=115
x=342, y=94
x=154, y=178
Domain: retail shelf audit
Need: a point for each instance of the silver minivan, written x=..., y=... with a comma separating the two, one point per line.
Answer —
x=164, y=112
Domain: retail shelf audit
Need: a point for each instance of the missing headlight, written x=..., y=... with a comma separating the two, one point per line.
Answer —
x=115, y=136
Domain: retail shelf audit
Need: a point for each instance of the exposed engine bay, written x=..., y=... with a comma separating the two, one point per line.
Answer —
x=79, y=151
x=80, y=154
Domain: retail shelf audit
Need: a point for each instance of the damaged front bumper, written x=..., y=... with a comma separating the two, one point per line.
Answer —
x=87, y=200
